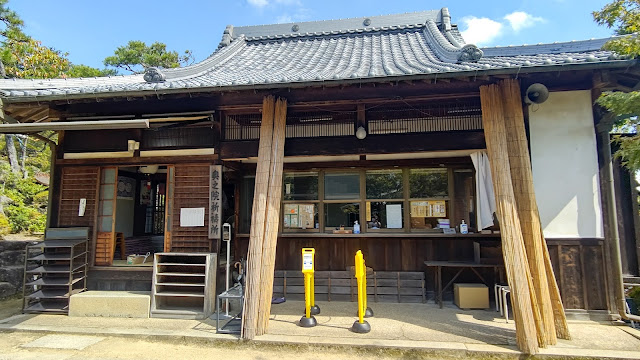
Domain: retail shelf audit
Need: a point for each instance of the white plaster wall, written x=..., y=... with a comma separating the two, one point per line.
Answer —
x=565, y=165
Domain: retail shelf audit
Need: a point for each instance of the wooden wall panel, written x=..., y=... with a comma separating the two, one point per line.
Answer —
x=191, y=190
x=594, y=280
x=572, y=295
x=79, y=183
x=578, y=263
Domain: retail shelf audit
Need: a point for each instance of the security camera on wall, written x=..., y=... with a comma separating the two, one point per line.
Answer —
x=536, y=94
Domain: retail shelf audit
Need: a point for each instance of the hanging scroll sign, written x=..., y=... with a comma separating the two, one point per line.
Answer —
x=215, y=201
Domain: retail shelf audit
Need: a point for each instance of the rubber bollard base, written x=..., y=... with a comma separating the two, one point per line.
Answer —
x=368, y=313
x=307, y=322
x=361, y=328
x=315, y=310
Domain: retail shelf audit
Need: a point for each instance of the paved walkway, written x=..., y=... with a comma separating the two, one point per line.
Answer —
x=403, y=326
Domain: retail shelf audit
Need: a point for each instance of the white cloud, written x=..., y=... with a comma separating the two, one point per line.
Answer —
x=283, y=19
x=258, y=3
x=480, y=31
x=519, y=20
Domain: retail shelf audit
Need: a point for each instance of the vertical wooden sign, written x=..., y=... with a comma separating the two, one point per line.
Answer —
x=215, y=201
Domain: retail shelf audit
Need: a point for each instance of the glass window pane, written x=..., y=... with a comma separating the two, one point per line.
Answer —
x=300, y=216
x=425, y=214
x=108, y=176
x=428, y=183
x=107, y=208
x=344, y=214
x=301, y=186
x=385, y=215
x=341, y=186
x=246, y=203
x=106, y=192
x=105, y=224
x=384, y=184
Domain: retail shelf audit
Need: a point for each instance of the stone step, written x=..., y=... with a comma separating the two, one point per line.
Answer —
x=122, y=304
x=7, y=289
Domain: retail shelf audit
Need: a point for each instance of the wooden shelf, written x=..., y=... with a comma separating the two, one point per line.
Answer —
x=54, y=256
x=180, y=284
x=180, y=264
x=183, y=285
x=53, y=294
x=57, y=281
x=60, y=271
x=180, y=274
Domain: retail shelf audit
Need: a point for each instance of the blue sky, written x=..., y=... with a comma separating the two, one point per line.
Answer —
x=91, y=30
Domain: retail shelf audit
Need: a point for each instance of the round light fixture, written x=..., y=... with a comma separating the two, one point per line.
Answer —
x=361, y=133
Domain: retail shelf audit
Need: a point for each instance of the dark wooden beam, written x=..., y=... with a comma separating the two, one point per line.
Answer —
x=156, y=160
x=372, y=144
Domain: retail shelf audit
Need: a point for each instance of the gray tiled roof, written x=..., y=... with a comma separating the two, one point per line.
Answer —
x=424, y=43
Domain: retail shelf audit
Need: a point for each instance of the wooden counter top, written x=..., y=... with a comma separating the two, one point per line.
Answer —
x=381, y=235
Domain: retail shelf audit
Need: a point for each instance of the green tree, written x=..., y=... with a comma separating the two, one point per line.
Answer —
x=136, y=56
x=78, y=71
x=623, y=16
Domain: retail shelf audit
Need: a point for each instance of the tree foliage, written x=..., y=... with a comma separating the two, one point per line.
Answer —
x=137, y=56
x=84, y=71
x=623, y=16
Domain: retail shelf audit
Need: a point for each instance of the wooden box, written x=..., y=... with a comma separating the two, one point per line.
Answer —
x=471, y=296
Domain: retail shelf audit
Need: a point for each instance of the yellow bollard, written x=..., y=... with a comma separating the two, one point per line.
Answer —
x=361, y=326
x=310, y=307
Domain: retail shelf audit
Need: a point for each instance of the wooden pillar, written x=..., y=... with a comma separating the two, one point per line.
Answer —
x=258, y=213
x=546, y=289
x=515, y=257
x=273, y=216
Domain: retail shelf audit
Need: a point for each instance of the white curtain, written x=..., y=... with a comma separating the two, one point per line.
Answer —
x=485, y=198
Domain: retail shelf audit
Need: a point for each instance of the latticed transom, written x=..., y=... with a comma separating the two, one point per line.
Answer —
x=380, y=120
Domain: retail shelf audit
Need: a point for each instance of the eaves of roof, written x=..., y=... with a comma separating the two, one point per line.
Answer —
x=612, y=64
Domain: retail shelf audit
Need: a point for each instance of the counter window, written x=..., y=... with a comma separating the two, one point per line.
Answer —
x=384, y=215
x=300, y=216
x=341, y=186
x=341, y=214
x=428, y=183
x=301, y=186
x=384, y=184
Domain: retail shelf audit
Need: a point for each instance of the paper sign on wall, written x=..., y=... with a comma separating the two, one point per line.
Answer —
x=394, y=216
x=82, y=207
x=191, y=217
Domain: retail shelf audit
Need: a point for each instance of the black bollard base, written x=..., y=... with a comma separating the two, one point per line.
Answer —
x=368, y=313
x=307, y=322
x=361, y=328
x=315, y=310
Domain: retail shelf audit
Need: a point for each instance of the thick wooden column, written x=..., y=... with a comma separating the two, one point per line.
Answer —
x=515, y=257
x=258, y=213
x=544, y=283
x=273, y=216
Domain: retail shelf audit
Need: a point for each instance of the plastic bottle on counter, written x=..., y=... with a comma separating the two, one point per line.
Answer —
x=356, y=227
x=463, y=228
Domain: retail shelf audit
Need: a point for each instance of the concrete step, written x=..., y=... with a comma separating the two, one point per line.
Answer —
x=122, y=304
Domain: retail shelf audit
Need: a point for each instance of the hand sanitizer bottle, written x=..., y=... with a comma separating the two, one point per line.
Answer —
x=356, y=228
x=463, y=228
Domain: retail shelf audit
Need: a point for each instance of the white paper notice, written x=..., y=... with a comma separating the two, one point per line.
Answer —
x=394, y=216
x=307, y=262
x=82, y=206
x=191, y=217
